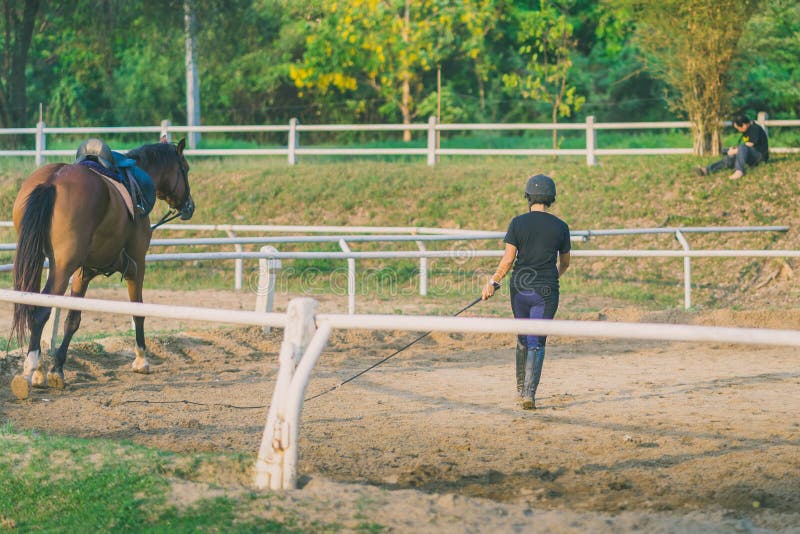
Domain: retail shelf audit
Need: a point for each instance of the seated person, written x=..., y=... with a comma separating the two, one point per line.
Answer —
x=752, y=149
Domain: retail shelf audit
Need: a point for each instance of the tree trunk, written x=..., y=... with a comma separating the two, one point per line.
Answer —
x=405, y=105
x=481, y=88
x=192, y=81
x=17, y=43
x=706, y=134
x=405, y=108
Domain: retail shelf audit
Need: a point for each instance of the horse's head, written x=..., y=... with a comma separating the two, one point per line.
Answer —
x=179, y=196
x=168, y=168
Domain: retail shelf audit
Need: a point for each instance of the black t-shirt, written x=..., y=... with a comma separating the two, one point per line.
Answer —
x=756, y=135
x=539, y=237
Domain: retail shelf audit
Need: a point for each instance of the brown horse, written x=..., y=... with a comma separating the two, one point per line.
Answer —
x=77, y=220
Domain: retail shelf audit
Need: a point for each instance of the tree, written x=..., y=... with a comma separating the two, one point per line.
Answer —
x=477, y=20
x=17, y=24
x=385, y=45
x=766, y=71
x=690, y=44
x=546, y=43
x=246, y=80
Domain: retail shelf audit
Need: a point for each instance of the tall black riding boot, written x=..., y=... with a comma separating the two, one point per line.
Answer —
x=521, y=353
x=534, y=360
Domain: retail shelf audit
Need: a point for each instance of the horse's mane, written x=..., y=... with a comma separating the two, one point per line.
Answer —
x=159, y=154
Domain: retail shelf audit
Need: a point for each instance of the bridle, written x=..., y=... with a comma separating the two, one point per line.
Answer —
x=184, y=212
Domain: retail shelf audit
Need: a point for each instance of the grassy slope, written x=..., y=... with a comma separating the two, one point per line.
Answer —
x=485, y=193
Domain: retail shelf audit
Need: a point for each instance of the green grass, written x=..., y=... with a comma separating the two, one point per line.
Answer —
x=60, y=484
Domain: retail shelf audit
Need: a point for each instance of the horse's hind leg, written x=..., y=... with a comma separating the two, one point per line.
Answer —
x=40, y=317
x=32, y=375
x=31, y=370
x=55, y=378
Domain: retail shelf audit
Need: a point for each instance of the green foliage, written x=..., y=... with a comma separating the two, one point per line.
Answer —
x=695, y=62
x=766, y=73
x=362, y=49
x=343, y=62
x=546, y=43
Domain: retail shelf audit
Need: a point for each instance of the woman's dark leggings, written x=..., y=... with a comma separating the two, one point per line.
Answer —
x=540, y=303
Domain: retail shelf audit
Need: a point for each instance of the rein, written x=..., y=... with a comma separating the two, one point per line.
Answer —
x=173, y=214
x=169, y=216
x=395, y=353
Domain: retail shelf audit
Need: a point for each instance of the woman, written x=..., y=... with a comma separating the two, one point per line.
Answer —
x=540, y=244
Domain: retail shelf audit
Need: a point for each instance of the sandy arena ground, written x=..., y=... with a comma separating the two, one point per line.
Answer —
x=630, y=435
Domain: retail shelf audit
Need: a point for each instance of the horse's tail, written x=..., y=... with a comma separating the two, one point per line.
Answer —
x=34, y=232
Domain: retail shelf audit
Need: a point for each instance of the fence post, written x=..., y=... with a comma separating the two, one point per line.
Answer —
x=762, y=120
x=423, y=270
x=294, y=141
x=272, y=454
x=165, y=136
x=238, y=263
x=294, y=401
x=431, y=141
x=351, y=278
x=591, y=141
x=267, y=271
x=41, y=143
x=50, y=330
x=687, y=271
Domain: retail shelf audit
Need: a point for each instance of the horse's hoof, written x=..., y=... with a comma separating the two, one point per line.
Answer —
x=20, y=387
x=37, y=380
x=55, y=380
x=140, y=368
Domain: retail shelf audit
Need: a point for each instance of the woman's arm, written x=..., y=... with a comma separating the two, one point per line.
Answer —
x=506, y=262
x=563, y=263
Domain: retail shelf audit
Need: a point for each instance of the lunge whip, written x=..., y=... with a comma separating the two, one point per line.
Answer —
x=398, y=351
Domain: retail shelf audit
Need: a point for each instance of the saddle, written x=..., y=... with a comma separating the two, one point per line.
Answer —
x=98, y=157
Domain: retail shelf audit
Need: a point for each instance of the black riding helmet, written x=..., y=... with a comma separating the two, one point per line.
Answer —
x=540, y=189
x=95, y=148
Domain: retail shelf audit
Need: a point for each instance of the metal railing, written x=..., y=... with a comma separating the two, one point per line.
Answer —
x=269, y=253
x=433, y=149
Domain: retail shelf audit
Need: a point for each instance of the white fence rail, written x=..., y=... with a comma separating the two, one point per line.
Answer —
x=431, y=152
x=307, y=332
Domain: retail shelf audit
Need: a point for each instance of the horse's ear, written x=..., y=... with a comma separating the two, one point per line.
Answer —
x=181, y=145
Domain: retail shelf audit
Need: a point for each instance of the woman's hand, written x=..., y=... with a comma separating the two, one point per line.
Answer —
x=488, y=289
